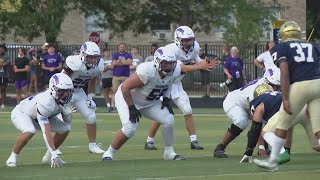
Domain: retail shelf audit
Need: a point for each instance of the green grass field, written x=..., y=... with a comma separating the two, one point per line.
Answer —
x=133, y=162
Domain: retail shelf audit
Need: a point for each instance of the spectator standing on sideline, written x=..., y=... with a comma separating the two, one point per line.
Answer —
x=265, y=61
x=21, y=68
x=34, y=68
x=233, y=69
x=121, y=61
x=107, y=78
x=4, y=74
x=52, y=63
x=153, y=49
x=136, y=59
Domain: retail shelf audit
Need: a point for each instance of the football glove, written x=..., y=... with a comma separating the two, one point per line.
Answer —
x=67, y=109
x=55, y=160
x=134, y=114
x=246, y=159
x=91, y=104
x=166, y=103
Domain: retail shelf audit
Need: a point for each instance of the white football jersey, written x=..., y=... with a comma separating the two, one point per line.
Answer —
x=43, y=102
x=154, y=87
x=267, y=60
x=186, y=57
x=81, y=74
x=244, y=95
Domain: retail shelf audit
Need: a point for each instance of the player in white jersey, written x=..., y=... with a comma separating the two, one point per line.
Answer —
x=83, y=69
x=140, y=95
x=237, y=105
x=40, y=112
x=265, y=61
x=186, y=49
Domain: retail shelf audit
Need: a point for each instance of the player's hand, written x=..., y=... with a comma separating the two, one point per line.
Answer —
x=91, y=104
x=262, y=153
x=68, y=109
x=55, y=160
x=166, y=103
x=134, y=114
x=286, y=107
x=246, y=159
x=214, y=62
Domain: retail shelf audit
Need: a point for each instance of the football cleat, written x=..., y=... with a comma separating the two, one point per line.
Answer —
x=267, y=164
x=11, y=163
x=95, y=148
x=106, y=159
x=173, y=156
x=284, y=157
x=219, y=152
x=150, y=146
x=196, y=145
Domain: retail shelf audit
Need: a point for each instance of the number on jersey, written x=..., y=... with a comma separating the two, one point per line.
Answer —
x=155, y=94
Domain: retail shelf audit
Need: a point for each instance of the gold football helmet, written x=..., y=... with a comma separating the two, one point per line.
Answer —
x=289, y=30
x=261, y=89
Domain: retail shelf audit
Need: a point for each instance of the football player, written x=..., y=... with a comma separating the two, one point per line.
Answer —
x=83, y=69
x=186, y=49
x=237, y=104
x=140, y=95
x=299, y=65
x=265, y=104
x=40, y=112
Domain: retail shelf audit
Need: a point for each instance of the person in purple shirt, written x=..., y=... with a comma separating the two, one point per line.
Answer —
x=233, y=69
x=121, y=62
x=52, y=63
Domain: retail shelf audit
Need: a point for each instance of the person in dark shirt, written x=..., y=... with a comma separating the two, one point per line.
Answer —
x=21, y=68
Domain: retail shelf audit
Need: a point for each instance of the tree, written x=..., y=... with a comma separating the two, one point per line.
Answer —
x=33, y=17
x=313, y=20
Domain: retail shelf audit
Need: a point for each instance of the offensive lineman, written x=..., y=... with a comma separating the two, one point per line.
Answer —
x=300, y=85
x=237, y=105
x=140, y=94
x=40, y=112
x=185, y=49
x=83, y=69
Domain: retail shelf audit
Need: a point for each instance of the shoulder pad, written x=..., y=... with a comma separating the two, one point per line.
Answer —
x=196, y=46
x=145, y=71
x=46, y=106
x=73, y=62
x=101, y=65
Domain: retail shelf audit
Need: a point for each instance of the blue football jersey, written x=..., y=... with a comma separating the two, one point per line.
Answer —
x=302, y=58
x=272, y=102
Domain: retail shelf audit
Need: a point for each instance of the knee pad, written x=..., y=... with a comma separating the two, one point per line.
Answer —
x=242, y=124
x=64, y=129
x=91, y=118
x=235, y=130
x=184, y=105
x=129, y=129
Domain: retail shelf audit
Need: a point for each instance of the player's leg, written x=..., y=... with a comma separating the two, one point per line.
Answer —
x=24, y=124
x=313, y=108
x=166, y=120
x=149, y=145
x=126, y=132
x=80, y=103
x=239, y=117
x=183, y=103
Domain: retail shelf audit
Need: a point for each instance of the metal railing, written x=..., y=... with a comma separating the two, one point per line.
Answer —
x=201, y=83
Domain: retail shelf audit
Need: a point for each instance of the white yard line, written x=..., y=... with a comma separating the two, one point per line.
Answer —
x=225, y=175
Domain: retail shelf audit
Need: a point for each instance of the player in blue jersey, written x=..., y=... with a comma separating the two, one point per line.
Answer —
x=300, y=85
x=266, y=103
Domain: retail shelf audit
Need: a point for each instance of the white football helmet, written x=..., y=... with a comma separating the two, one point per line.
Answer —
x=90, y=54
x=165, y=61
x=184, y=33
x=61, y=87
x=273, y=76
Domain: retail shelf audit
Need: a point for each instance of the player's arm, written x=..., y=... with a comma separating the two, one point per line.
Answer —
x=285, y=83
x=203, y=65
x=259, y=65
x=92, y=85
x=132, y=82
x=254, y=132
